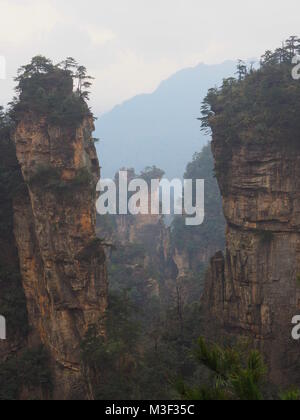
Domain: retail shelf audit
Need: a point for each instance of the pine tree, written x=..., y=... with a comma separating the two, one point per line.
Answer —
x=38, y=65
x=292, y=45
x=237, y=374
x=241, y=70
x=83, y=82
x=69, y=64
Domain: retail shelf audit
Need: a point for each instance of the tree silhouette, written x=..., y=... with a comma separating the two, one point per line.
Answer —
x=48, y=89
x=237, y=374
x=69, y=64
x=241, y=69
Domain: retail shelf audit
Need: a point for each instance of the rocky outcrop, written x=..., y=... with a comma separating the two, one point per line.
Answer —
x=143, y=247
x=62, y=263
x=150, y=236
x=253, y=290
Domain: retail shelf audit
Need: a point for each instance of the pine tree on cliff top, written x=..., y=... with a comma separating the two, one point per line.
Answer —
x=261, y=105
x=47, y=89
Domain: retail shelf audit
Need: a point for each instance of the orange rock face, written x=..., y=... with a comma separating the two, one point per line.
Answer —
x=62, y=264
x=253, y=290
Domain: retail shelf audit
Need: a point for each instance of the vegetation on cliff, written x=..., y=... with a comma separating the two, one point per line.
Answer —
x=164, y=318
x=145, y=350
x=195, y=240
x=152, y=172
x=5, y=123
x=165, y=315
x=28, y=373
x=151, y=326
x=236, y=373
x=12, y=298
x=261, y=104
x=255, y=124
x=50, y=105
x=49, y=178
x=57, y=92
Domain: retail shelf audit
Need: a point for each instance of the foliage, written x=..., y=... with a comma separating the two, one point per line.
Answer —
x=30, y=370
x=212, y=231
x=94, y=249
x=83, y=178
x=147, y=344
x=35, y=370
x=47, y=90
x=112, y=360
x=149, y=339
x=12, y=298
x=50, y=178
x=261, y=105
x=168, y=314
x=139, y=360
x=5, y=123
x=46, y=177
x=150, y=173
x=12, y=302
x=237, y=373
x=291, y=395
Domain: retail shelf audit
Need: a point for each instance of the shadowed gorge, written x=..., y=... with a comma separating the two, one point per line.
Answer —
x=138, y=304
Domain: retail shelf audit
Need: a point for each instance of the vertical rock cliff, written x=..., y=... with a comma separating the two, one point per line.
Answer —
x=253, y=290
x=141, y=246
x=62, y=262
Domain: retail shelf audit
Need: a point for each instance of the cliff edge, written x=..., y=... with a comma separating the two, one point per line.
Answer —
x=253, y=290
x=61, y=262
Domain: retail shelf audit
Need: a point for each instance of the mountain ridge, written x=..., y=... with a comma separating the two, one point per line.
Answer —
x=159, y=128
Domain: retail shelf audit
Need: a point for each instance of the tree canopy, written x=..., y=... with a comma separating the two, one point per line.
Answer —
x=152, y=173
x=238, y=374
x=194, y=238
x=261, y=104
x=5, y=122
x=57, y=91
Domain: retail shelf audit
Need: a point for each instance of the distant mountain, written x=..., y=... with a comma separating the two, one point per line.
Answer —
x=160, y=128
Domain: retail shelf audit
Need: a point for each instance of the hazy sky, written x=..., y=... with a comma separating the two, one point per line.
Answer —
x=131, y=45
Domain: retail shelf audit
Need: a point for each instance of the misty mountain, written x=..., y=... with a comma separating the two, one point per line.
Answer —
x=160, y=128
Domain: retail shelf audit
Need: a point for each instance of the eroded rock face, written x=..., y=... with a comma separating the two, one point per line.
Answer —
x=253, y=290
x=62, y=262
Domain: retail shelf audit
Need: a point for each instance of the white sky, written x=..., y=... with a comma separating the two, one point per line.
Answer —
x=131, y=45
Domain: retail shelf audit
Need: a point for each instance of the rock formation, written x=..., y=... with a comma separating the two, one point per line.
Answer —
x=52, y=267
x=145, y=249
x=253, y=290
x=142, y=245
x=62, y=262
